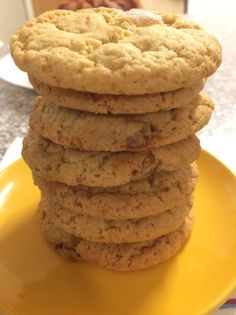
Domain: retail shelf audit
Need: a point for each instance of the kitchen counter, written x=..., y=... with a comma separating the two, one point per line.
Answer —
x=15, y=107
x=15, y=102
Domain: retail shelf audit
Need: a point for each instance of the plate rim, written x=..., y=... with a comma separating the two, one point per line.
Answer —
x=20, y=84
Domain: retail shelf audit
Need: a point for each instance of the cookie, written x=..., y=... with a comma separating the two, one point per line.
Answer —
x=117, y=104
x=103, y=169
x=109, y=51
x=149, y=196
x=97, y=229
x=97, y=132
x=119, y=257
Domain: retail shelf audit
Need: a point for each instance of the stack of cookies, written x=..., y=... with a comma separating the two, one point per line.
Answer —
x=112, y=142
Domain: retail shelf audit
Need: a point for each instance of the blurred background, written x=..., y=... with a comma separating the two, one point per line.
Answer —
x=15, y=12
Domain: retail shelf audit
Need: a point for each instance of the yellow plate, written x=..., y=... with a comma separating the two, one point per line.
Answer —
x=34, y=280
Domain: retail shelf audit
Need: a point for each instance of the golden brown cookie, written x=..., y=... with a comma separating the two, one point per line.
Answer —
x=117, y=104
x=97, y=229
x=114, y=52
x=96, y=132
x=103, y=169
x=120, y=257
x=149, y=196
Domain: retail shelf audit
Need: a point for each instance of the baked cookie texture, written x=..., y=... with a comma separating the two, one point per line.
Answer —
x=109, y=51
x=119, y=257
x=114, y=231
x=93, y=132
x=117, y=104
x=103, y=169
x=112, y=143
x=149, y=196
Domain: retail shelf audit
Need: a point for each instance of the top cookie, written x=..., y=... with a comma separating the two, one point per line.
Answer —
x=114, y=52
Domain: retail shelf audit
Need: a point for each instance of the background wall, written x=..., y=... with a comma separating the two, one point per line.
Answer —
x=45, y=5
x=176, y=6
x=13, y=14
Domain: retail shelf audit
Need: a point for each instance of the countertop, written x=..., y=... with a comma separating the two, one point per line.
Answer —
x=16, y=102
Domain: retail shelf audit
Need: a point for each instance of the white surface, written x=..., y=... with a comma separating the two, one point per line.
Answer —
x=204, y=7
x=13, y=14
x=29, y=8
x=13, y=153
x=222, y=147
x=10, y=73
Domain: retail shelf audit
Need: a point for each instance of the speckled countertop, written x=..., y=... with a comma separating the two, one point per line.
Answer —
x=15, y=102
x=15, y=106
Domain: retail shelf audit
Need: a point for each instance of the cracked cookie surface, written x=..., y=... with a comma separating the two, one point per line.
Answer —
x=103, y=169
x=114, y=52
x=116, y=133
x=152, y=195
x=114, y=231
x=120, y=257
